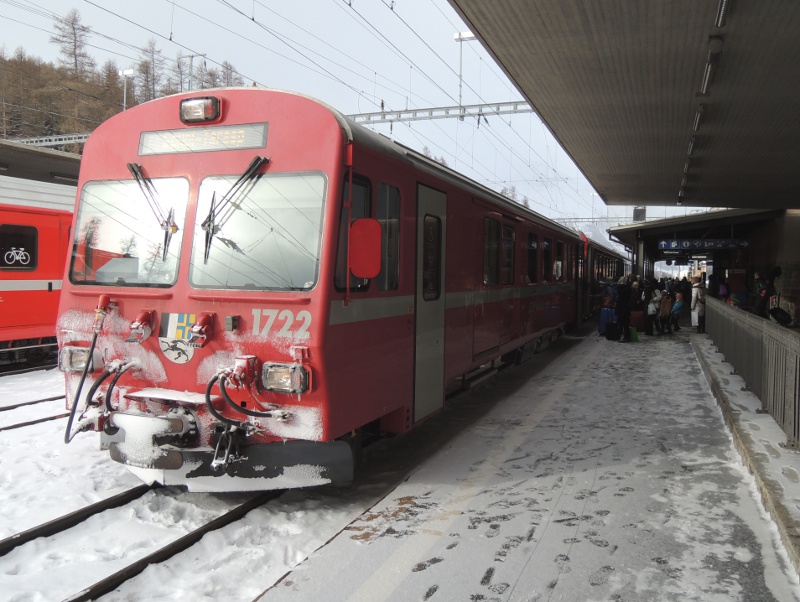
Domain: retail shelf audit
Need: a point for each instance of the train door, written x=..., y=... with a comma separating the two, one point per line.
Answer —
x=430, y=302
x=487, y=325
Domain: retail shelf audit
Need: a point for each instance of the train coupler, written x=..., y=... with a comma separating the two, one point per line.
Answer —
x=224, y=453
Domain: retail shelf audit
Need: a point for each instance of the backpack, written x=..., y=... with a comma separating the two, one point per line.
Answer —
x=666, y=307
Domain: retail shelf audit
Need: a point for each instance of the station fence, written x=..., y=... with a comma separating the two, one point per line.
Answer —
x=766, y=355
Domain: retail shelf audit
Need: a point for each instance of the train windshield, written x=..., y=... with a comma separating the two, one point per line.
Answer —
x=264, y=236
x=119, y=239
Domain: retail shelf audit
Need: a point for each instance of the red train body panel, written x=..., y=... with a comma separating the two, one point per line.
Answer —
x=33, y=246
x=262, y=282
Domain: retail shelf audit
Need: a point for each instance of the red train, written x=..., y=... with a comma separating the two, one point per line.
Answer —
x=35, y=219
x=256, y=283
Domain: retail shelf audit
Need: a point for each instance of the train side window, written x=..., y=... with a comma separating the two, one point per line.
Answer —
x=533, y=258
x=558, y=266
x=18, y=248
x=547, y=257
x=507, y=258
x=431, y=258
x=573, y=266
x=388, y=214
x=360, y=208
x=491, y=251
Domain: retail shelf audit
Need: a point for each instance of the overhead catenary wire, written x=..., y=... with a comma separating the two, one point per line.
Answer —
x=325, y=67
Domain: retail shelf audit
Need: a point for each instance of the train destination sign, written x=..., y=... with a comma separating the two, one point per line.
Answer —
x=701, y=244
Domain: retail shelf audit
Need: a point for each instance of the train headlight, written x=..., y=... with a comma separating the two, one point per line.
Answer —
x=73, y=359
x=199, y=109
x=284, y=378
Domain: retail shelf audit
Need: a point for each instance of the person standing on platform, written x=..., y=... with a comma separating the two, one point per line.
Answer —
x=624, y=309
x=762, y=296
x=676, y=311
x=665, y=313
x=699, y=303
x=651, y=306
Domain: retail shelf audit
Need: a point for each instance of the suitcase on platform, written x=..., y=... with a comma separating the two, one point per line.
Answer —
x=607, y=314
x=612, y=331
x=781, y=316
x=637, y=320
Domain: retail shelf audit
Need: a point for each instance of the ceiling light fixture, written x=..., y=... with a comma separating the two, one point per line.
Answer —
x=696, y=124
x=706, y=80
x=691, y=146
x=64, y=178
x=722, y=12
x=714, y=50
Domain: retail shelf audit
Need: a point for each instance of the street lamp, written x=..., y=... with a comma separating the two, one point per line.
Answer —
x=461, y=37
x=125, y=75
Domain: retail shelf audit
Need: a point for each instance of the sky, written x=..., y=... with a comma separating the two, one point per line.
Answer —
x=356, y=55
x=536, y=485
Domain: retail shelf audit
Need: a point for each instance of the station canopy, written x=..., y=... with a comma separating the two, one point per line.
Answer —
x=695, y=236
x=660, y=102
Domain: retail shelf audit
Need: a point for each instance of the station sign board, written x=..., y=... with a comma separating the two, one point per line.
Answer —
x=700, y=244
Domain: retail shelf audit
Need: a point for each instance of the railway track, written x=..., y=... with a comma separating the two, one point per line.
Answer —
x=20, y=425
x=166, y=552
x=26, y=370
x=33, y=421
x=31, y=403
x=63, y=525
x=68, y=521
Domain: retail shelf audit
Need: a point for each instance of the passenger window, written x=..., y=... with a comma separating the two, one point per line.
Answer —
x=388, y=214
x=533, y=258
x=431, y=258
x=491, y=251
x=507, y=266
x=18, y=248
x=360, y=208
x=558, y=267
x=547, y=257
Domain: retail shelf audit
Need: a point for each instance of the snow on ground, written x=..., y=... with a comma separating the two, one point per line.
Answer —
x=608, y=476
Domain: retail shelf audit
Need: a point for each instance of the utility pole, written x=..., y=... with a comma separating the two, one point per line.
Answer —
x=461, y=37
x=191, y=66
x=125, y=75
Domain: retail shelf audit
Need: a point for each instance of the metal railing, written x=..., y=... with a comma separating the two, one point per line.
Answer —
x=766, y=355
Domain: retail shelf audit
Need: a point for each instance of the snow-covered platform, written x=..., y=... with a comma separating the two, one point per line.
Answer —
x=609, y=474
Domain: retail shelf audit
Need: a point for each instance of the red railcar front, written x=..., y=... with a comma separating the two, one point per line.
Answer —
x=191, y=328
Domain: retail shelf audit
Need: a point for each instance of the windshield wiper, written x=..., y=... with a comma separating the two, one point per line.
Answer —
x=209, y=224
x=167, y=222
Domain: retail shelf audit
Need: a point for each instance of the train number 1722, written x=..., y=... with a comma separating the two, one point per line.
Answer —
x=287, y=324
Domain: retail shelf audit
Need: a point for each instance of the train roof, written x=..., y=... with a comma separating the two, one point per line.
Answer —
x=31, y=193
x=389, y=146
x=38, y=164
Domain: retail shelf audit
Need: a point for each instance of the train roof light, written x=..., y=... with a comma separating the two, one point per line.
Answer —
x=194, y=110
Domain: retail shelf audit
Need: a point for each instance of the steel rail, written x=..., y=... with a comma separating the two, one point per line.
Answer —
x=30, y=403
x=32, y=422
